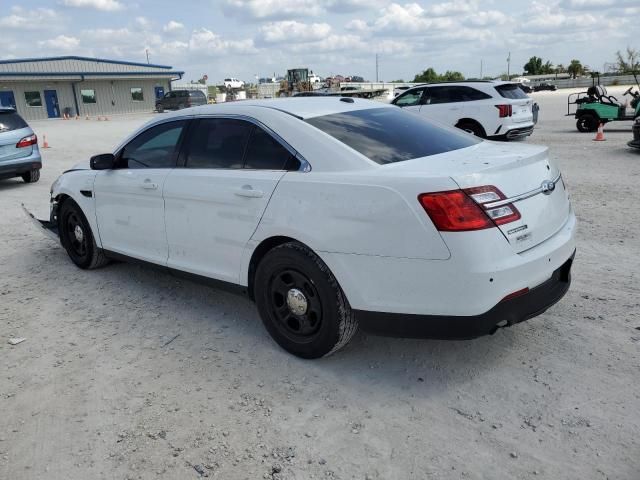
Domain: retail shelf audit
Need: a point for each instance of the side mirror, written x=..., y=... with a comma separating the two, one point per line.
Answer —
x=104, y=161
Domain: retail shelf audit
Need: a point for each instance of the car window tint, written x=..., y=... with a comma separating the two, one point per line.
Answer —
x=410, y=98
x=511, y=90
x=470, y=94
x=154, y=148
x=265, y=153
x=218, y=143
x=444, y=94
x=11, y=121
x=387, y=135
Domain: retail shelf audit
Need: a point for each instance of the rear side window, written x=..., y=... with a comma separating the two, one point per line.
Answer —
x=388, y=135
x=196, y=93
x=511, y=90
x=265, y=153
x=218, y=143
x=11, y=121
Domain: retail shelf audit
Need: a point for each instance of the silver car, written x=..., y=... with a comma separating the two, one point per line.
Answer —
x=19, y=153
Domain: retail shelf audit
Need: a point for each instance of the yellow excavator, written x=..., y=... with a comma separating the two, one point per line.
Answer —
x=297, y=80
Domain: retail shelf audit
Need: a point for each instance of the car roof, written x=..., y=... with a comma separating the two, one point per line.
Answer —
x=301, y=107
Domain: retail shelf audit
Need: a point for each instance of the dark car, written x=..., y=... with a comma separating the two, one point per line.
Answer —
x=19, y=153
x=525, y=88
x=178, y=99
x=544, y=86
x=635, y=143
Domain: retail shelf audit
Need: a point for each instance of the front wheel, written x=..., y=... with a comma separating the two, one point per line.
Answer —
x=472, y=128
x=587, y=123
x=77, y=239
x=301, y=304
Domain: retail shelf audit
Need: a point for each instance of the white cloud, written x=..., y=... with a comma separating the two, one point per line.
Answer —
x=410, y=19
x=349, y=6
x=447, y=9
x=173, y=27
x=285, y=31
x=61, y=42
x=545, y=18
x=33, y=19
x=486, y=19
x=271, y=9
x=205, y=42
x=357, y=25
x=104, y=5
x=143, y=22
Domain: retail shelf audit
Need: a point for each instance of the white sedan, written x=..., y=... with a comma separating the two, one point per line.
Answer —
x=331, y=213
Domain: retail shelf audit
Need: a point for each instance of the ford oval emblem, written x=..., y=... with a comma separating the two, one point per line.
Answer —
x=547, y=187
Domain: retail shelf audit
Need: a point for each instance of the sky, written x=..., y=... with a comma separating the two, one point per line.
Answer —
x=245, y=38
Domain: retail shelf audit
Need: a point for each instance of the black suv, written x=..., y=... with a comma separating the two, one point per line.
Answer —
x=178, y=99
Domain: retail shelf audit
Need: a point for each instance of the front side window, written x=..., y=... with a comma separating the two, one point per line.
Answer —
x=153, y=148
x=33, y=99
x=265, y=153
x=88, y=95
x=218, y=143
x=136, y=94
x=388, y=135
x=410, y=98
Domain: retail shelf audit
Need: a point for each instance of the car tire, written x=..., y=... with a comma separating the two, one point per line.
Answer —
x=32, y=176
x=181, y=106
x=291, y=277
x=160, y=108
x=472, y=128
x=77, y=239
x=587, y=123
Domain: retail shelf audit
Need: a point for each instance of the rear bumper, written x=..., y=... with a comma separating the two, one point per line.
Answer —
x=509, y=312
x=16, y=169
x=519, y=132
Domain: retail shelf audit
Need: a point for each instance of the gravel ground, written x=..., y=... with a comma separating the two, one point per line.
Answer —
x=130, y=373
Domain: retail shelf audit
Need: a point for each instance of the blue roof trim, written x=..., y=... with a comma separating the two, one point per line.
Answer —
x=86, y=74
x=88, y=59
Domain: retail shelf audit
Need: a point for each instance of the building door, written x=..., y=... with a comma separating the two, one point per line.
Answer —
x=51, y=99
x=7, y=99
x=159, y=92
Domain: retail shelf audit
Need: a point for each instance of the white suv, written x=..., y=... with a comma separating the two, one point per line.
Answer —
x=233, y=83
x=496, y=110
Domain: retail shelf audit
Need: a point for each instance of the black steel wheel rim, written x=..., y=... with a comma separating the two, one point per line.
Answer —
x=298, y=328
x=78, y=247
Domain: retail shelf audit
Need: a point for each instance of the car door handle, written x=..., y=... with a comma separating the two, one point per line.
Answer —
x=248, y=191
x=148, y=185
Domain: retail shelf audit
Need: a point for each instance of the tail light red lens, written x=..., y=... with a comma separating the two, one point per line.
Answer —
x=27, y=141
x=465, y=210
x=505, y=110
x=454, y=211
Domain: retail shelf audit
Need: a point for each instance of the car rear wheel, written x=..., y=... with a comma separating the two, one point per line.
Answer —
x=587, y=123
x=473, y=128
x=301, y=304
x=77, y=239
x=159, y=108
x=32, y=176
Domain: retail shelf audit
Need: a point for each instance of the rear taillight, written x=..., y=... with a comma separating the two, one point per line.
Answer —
x=454, y=211
x=27, y=141
x=505, y=110
x=469, y=209
x=489, y=194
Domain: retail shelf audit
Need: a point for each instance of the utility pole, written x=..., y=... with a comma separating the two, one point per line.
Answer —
x=376, y=68
x=509, y=67
x=480, y=69
x=146, y=50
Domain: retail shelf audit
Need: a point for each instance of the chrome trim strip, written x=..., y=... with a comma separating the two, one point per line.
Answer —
x=517, y=198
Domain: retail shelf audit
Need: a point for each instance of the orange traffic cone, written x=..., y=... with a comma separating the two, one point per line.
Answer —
x=45, y=144
x=600, y=134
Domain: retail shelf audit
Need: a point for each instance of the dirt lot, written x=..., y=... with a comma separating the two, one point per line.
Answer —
x=97, y=390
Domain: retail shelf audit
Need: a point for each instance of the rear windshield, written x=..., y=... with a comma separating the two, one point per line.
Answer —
x=11, y=121
x=388, y=135
x=511, y=90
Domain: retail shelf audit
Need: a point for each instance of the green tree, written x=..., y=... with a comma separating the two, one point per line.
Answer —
x=560, y=68
x=575, y=68
x=429, y=75
x=533, y=66
x=630, y=64
x=547, y=68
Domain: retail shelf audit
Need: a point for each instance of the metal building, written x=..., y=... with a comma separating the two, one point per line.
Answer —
x=50, y=87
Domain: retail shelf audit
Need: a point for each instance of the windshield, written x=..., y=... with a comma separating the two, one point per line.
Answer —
x=388, y=135
x=511, y=90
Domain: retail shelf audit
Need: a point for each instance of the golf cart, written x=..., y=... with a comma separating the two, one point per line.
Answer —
x=596, y=106
x=635, y=143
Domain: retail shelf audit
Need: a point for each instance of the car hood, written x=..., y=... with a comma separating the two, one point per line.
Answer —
x=84, y=165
